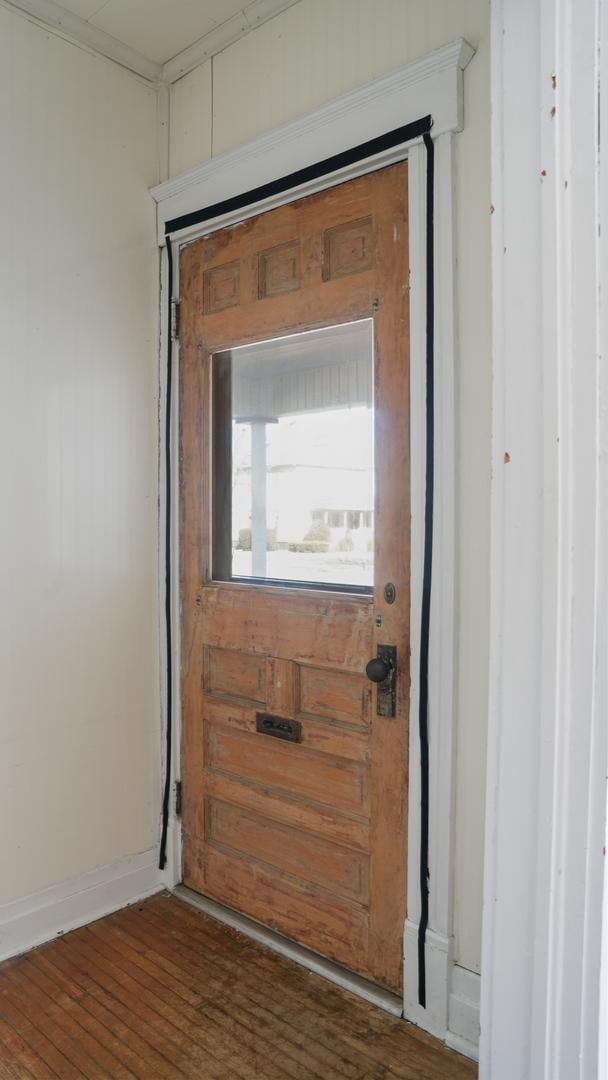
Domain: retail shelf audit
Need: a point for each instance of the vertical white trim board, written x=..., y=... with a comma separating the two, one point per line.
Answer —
x=30, y=921
x=547, y=737
x=601, y=694
x=441, y=652
x=172, y=874
x=432, y=85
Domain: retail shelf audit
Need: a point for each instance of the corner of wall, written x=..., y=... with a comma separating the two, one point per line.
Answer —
x=34, y=919
x=463, y=1012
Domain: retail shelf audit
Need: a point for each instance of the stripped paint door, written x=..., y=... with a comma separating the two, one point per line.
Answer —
x=294, y=502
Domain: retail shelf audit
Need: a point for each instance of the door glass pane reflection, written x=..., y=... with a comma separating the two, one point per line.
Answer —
x=293, y=470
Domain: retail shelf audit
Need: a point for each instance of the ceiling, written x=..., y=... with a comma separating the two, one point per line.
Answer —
x=158, y=29
x=160, y=39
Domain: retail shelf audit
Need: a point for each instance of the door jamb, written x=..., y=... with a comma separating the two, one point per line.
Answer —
x=433, y=84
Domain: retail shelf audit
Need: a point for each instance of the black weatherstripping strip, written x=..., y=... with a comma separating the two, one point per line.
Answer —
x=423, y=717
x=169, y=708
x=364, y=150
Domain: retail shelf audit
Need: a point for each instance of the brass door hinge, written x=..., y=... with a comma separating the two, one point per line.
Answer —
x=175, y=320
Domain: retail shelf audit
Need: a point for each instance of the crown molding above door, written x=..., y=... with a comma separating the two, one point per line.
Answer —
x=431, y=85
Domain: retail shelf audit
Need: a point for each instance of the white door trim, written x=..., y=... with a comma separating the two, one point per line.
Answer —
x=441, y=653
x=432, y=85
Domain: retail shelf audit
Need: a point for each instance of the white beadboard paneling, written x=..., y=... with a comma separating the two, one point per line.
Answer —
x=300, y=59
x=190, y=119
x=79, y=724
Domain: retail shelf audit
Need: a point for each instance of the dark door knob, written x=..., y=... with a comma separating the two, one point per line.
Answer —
x=378, y=669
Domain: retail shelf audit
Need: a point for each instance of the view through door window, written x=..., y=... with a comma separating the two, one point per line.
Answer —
x=294, y=467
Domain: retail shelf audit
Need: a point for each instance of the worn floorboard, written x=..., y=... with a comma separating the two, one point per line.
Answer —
x=160, y=990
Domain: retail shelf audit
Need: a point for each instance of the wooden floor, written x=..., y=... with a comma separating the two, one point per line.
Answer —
x=160, y=990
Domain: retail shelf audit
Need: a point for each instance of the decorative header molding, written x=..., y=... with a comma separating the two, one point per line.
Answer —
x=433, y=84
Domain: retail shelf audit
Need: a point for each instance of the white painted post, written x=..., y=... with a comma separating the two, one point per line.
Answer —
x=258, y=498
x=547, y=737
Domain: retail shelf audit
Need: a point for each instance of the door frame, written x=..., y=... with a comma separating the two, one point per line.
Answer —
x=432, y=85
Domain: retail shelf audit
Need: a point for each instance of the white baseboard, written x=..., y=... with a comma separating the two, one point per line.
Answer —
x=34, y=919
x=463, y=1016
x=433, y=1018
x=172, y=874
x=452, y=993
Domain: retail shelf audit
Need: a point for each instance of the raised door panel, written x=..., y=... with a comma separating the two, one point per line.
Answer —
x=301, y=910
x=294, y=769
x=328, y=631
x=336, y=869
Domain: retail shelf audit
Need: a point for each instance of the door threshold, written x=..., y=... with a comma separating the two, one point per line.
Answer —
x=383, y=999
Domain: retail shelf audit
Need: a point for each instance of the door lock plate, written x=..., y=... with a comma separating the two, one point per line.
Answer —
x=386, y=691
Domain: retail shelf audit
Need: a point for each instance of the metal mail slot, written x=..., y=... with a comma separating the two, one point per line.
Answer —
x=278, y=727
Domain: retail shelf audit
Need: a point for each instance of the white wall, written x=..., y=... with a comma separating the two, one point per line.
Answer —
x=303, y=57
x=79, y=700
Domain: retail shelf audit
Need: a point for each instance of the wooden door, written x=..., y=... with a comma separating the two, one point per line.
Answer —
x=294, y=787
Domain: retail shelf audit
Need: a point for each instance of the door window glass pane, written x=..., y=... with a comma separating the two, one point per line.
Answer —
x=293, y=494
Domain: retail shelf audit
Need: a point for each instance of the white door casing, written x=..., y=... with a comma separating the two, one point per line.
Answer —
x=431, y=85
